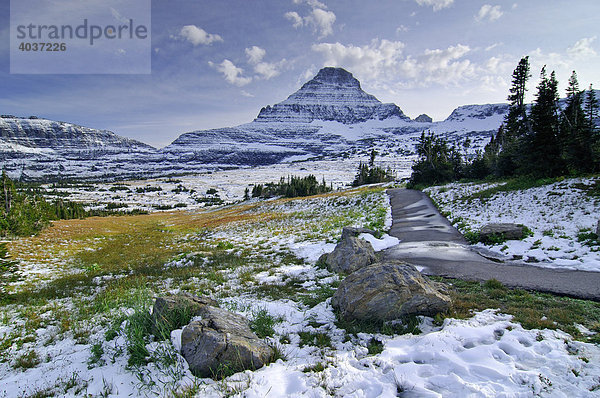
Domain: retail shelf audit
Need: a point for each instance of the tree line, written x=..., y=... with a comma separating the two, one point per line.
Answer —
x=25, y=211
x=290, y=188
x=541, y=140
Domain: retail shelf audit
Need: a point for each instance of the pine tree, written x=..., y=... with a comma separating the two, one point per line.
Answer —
x=591, y=115
x=516, y=120
x=511, y=138
x=437, y=162
x=575, y=135
x=591, y=106
x=543, y=144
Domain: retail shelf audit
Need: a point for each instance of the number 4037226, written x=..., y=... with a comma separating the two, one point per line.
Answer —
x=43, y=46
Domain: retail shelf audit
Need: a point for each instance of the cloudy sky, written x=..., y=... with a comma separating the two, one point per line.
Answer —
x=215, y=63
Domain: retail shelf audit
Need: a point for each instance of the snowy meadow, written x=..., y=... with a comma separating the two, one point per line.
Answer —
x=71, y=323
x=562, y=216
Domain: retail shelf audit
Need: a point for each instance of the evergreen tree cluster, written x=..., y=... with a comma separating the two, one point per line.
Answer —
x=437, y=163
x=291, y=188
x=371, y=174
x=544, y=141
x=25, y=212
x=547, y=141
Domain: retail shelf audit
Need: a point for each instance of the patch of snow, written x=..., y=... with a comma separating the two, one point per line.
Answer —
x=385, y=242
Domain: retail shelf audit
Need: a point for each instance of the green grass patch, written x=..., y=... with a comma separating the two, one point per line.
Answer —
x=27, y=360
x=403, y=326
x=516, y=184
x=137, y=330
x=375, y=346
x=262, y=323
x=316, y=368
x=532, y=310
x=317, y=339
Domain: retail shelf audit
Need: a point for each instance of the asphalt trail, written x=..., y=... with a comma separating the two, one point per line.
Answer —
x=430, y=242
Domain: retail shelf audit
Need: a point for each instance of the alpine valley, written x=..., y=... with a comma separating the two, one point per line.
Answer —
x=329, y=117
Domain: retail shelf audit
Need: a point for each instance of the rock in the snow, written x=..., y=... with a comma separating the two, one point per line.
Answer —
x=354, y=232
x=350, y=254
x=423, y=118
x=508, y=231
x=169, y=312
x=388, y=291
x=598, y=229
x=221, y=342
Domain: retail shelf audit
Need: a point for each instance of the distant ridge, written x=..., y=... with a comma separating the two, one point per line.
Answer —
x=329, y=117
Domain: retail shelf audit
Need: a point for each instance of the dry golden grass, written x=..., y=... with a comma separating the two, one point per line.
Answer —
x=116, y=243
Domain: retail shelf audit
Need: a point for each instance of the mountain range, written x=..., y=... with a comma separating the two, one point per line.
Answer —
x=328, y=117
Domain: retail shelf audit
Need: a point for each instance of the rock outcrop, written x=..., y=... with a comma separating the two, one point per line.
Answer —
x=169, y=312
x=386, y=292
x=221, y=343
x=423, y=118
x=351, y=254
x=505, y=231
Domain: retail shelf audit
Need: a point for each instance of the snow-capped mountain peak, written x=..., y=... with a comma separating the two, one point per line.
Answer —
x=332, y=95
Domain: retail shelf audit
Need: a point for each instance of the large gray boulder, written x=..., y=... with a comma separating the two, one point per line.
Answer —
x=508, y=231
x=598, y=229
x=388, y=291
x=221, y=343
x=173, y=312
x=349, y=255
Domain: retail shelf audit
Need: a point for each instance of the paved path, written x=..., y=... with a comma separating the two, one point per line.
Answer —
x=431, y=243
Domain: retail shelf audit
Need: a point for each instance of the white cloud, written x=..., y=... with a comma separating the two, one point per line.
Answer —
x=383, y=60
x=296, y=19
x=489, y=12
x=322, y=21
x=232, y=73
x=319, y=18
x=492, y=46
x=255, y=54
x=436, y=4
x=402, y=28
x=264, y=70
x=312, y=3
x=376, y=57
x=247, y=94
x=582, y=48
x=196, y=35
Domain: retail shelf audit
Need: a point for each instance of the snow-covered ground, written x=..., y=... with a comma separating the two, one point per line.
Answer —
x=556, y=213
x=190, y=191
x=488, y=355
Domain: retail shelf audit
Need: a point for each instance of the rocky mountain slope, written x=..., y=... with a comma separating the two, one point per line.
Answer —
x=33, y=148
x=330, y=116
x=332, y=95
